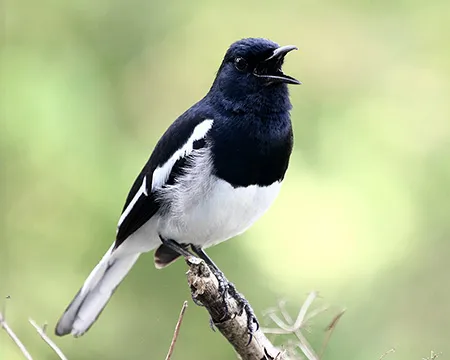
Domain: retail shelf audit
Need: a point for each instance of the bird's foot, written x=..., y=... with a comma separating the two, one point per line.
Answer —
x=223, y=287
x=224, y=284
x=226, y=287
x=252, y=321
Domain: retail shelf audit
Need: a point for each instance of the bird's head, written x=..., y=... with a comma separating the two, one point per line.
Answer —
x=251, y=71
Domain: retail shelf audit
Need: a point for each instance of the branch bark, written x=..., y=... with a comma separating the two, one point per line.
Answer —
x=232, y=324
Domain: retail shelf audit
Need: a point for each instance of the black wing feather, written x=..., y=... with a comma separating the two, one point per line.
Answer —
x=172, y=140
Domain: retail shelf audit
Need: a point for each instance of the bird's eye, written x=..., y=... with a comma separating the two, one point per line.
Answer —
x=240, y=64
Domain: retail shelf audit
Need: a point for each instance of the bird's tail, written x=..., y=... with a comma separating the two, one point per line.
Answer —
x=95, y=293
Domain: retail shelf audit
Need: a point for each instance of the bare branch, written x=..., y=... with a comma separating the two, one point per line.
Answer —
x=227, y=315
x=433, y=356
x=288, y=326
x=386, y=353
x=284, y=312
x=275, y=331
x=313, y=313
x=304, y=309
x=177, y=330
x=305, y=347
x=14, y=337
x=44, y=336
x=330, y=328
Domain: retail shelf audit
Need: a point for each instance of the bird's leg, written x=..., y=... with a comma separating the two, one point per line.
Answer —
x=251, y=317
x=179, y=249
x=226, y=286
x=173, y=245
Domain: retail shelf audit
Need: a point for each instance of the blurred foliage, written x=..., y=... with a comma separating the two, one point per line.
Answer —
x=88, y=87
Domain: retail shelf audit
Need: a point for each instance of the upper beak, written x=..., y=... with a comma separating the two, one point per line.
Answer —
x=281, y=51
x=278, y=56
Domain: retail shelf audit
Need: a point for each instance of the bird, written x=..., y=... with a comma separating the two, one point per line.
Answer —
x=214, y=172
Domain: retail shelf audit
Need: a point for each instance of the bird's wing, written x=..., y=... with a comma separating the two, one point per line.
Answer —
x=186, y=134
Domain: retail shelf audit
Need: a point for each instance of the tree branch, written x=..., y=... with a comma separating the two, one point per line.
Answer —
x=14, y=337
x=44, y=336
x=232, y=323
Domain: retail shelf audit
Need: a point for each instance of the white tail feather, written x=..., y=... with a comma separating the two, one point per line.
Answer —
x=95, y=293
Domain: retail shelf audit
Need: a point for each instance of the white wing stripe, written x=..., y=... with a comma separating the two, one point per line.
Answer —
x=142, y=190
x=162, y=173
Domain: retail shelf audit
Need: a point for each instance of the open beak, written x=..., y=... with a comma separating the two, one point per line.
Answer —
x=270, y=68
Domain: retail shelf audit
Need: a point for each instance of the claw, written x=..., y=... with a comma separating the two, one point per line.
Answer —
x=224, y=287
x=211, y=324
x=255, y=320
x=250, y=338
x=251, y=319
x=245, y=306
x=197, y=302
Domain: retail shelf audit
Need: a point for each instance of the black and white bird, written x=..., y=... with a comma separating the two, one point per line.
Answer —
x=212, y=174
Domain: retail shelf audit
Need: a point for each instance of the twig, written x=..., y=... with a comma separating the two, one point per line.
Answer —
x=305, y=347
x=44, y=336
x=284, y=312
x=315, y=312
x=288, y=326
x=285, y=326
x=330, y=328
x=177, y=330
x=304, y=309
x=14, y=337
x=433, y=356
x=387, y=352
x=227, y=315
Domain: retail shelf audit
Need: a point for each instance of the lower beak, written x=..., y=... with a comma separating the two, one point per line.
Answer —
x=272, y=66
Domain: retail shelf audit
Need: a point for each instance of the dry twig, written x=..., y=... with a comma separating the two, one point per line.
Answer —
x=386, y=353
x=433, y=356
x=13, y=336
x=287, y=325
x=330, y=328
x=44, y=336
x=177, y=330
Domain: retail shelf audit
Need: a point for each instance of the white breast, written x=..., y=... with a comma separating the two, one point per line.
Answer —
x=206, y=210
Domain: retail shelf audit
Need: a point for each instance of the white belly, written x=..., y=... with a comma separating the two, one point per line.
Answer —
x=203, y=210
x=222, y=213
x=206, y=210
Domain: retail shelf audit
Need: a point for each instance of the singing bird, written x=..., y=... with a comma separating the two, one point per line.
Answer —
x=212, y=174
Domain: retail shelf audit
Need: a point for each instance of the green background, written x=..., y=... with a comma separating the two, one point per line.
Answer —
x=88, y=87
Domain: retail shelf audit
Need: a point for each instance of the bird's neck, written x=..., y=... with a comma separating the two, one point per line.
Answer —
x=267, y=101
x=251, y=148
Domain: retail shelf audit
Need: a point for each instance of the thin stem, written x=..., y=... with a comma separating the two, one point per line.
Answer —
x=284, y=312
x=302, y=313
x=45, y=337
x=330, y=328
x=177, y=330
x=386, y=353
x=305, y=347
x=14, y=338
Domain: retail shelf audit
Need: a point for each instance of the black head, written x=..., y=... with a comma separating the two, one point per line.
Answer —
x=251, y=74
